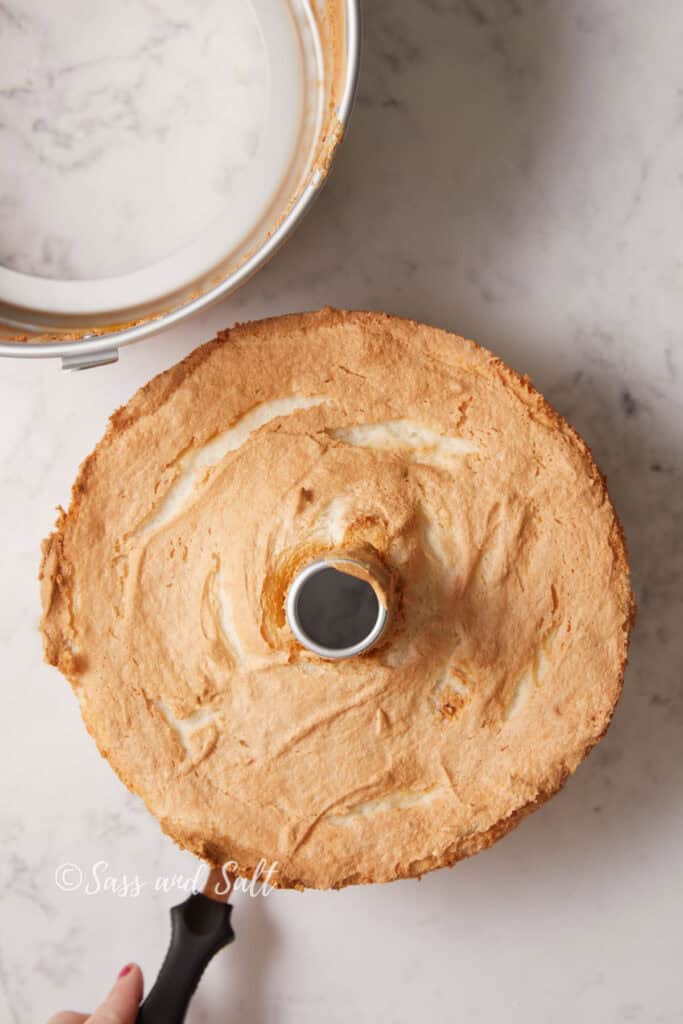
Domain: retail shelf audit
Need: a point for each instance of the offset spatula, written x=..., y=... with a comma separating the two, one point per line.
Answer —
x=200, y=927
x=335, y=613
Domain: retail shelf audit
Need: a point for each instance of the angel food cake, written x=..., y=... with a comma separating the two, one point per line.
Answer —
x=296, y=438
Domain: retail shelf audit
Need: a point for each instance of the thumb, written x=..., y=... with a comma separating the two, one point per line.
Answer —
x=122, y=1004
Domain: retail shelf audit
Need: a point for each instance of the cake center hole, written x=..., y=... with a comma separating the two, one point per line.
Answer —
x=335, y=610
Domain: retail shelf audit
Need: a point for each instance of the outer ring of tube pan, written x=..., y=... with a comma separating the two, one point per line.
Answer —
x=86, y=339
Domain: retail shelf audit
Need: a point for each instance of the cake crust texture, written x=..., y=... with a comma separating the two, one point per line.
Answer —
x=285, y=440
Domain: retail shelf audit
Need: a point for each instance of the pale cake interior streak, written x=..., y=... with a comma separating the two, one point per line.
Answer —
x=398, y=800
x=428, y=447
x=193, y=466
x=185, y=727
x=540, y=665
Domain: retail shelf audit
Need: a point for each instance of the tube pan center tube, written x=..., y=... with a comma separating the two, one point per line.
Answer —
x=336, y=607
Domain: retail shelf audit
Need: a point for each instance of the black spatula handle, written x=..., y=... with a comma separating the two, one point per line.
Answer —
x=199, y=928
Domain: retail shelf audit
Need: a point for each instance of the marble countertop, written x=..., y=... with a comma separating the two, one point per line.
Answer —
x=514, y=172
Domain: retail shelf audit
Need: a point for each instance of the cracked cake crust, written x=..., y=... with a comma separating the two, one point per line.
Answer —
x=163, y=589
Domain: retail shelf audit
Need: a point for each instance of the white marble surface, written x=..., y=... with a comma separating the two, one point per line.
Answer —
x=110, y=115
x=514, y=171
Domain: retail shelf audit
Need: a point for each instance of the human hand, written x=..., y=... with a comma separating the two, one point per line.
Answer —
x=120, y=1007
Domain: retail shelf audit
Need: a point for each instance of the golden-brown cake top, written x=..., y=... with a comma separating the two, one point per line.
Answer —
x=164, y=587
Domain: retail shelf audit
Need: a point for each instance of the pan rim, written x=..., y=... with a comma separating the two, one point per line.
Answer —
x=102, y=344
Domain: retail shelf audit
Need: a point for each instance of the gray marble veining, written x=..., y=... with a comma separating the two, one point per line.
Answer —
x=513, y=171
x=123, y=128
